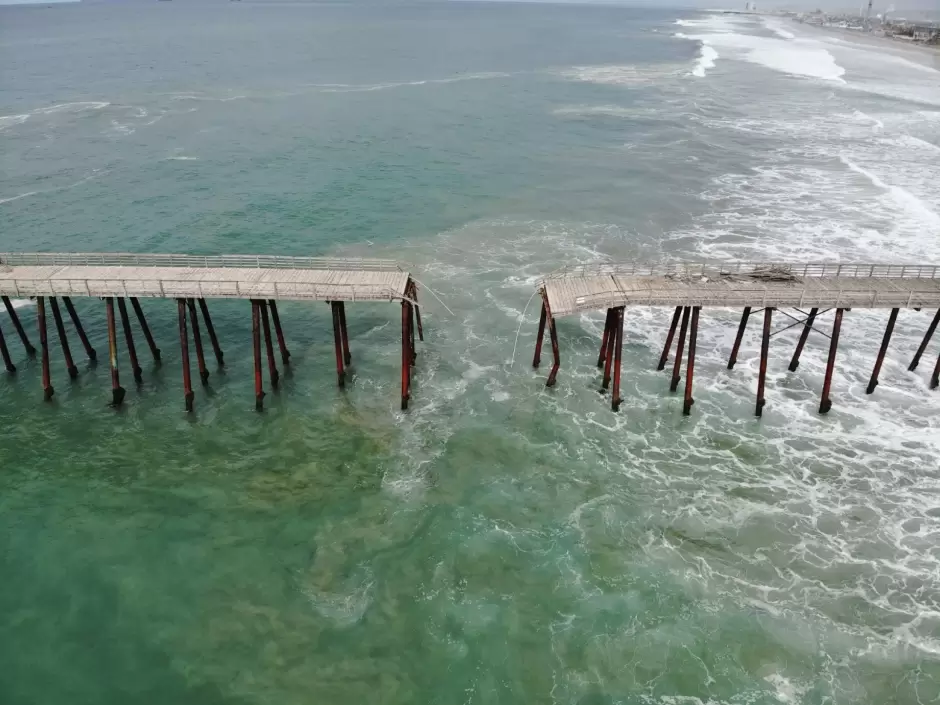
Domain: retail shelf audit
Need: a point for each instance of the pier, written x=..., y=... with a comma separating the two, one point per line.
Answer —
x=191, y=280
x=809, y=290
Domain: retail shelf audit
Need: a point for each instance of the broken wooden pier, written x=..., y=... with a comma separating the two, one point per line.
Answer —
x=810, y=290
x=191, y=280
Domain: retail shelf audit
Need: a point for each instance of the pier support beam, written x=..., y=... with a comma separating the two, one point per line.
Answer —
x=197, y=340
x=63, y=338
x=873, y=382
x=795, y=361
x=935, y=377
x=825, y=404
x=47, y=390
x=740, y=336
x=414, y=297
x=672, y=332
x=764, y=354
x=282, y=346
x=188, y=394
x=117, y=391
x=602, y=355
x=256, y=347
x=269, y=346
x=537, y=358
x=347, y=356
x=405, y=353
x=154, y=350
x=129, y=339
x=923, y=345
x=8, y=363
x=680, y=346
x=207, y=319
x=690, y=367
x=76, y=321
x=611, y=343
x=338, y=344
x=30, y=350
x=615, y=398
x=553, y=334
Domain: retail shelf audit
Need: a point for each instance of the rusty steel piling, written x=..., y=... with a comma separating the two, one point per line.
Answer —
x=609, y=352
x=873, y=382
x=825, y=403
x=8, y=363
x=688, y=401
x=414, y=296
x=282, y=346
x=154, y=350
x=47, y=390
x=347, y=356
x=405, y=355
x=30, y=350
x=537, y=358
x=188, y=394
x=804, y=334
x=338, y=344
x=76, y=321
x=117, y=391
x=923, y=344
x=269, y=345
x=615, y=398
x=256, y=348
x=129, y=340
x=63, y=338
x=197, y=342
x=556, y=356
x=742, y=326
x=669, y=337
x=680, y=346
x=602, y=355
x=210, y=329
x=764, y=354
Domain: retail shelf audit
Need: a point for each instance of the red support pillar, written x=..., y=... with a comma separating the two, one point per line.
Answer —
x=216, y=348
x=30, y=350
x=256, y=346
x=825, y=404
x=269, y=345
x=11, y=368
x=414, y=296
x=923, y=345
x=197, y=340
x=677, y=365
x=47, y=390
x=537, y=359
x=764, y=354
x=117, y=391
x=795, y=361
x=338, y=343
x=873, y=382
x=63, y=338
x=188, y=394
x=282, y=346
x=129, y=339
x=154, y=350
x=347, y=356
x=602, y=355
x=739, y=337
x=609, y=353
x=615, y=399
x=405, y=356
x=690, y=367
x=90, y=351
x=672, y=332
x=553, y=335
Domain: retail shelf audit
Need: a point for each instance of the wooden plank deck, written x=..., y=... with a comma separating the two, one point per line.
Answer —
x=212, y=277
x=777, y=285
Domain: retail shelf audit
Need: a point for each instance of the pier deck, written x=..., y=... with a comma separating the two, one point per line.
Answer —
x=777, y=285
x=213, y=277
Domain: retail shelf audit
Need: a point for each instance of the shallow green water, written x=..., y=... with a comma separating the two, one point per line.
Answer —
x=498, y=543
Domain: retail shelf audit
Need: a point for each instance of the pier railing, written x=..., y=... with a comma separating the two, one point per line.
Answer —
x=121, y=259
x=750, y=269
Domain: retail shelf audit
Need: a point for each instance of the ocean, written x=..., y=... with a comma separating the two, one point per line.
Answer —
x=499, y=542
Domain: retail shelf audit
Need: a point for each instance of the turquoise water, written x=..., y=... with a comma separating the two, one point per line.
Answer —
x=499, y=542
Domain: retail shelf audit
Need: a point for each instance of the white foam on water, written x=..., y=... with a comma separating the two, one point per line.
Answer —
x=77, y=107
x=705, y=61
x=7, y=121
x=619, y=75
x=907, y=201
x=19, y=303
x=93, y=175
